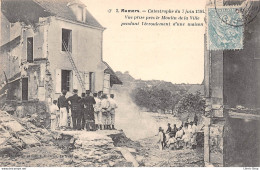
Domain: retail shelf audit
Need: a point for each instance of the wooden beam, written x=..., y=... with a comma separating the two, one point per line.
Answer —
x=237, y=115
x=128, y=156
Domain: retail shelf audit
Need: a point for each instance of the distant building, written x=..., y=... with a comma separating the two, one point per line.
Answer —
x=48, y=46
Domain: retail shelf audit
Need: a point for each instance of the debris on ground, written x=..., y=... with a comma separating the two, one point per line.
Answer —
x=24, y=143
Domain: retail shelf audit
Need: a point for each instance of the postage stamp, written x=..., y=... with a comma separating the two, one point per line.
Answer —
x=224, y=29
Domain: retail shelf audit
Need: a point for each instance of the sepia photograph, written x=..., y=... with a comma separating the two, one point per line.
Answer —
x=129, y=83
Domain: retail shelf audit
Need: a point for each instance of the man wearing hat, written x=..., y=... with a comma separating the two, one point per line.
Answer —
x=75, y=109
x=63, y=107
x=88, y=103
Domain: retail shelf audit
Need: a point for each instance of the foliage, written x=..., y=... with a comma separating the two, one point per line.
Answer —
x=191, y=103
x=155, y=99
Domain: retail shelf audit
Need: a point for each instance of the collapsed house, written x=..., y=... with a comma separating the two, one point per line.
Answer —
x=48, y=46
x=232, y=91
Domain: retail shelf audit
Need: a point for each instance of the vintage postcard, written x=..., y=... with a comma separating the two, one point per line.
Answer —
x=129, y=83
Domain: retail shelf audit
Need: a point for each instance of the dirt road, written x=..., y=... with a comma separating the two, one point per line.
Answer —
x=169, y=158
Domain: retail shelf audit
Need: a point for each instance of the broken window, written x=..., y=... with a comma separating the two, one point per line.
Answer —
x=66, y=40
x=24, y=88
x=30, y=49
x=66, y=77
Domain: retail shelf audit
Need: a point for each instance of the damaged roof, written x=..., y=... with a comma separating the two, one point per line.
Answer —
x=10, y=45
x=29, y=11
x=113, y=77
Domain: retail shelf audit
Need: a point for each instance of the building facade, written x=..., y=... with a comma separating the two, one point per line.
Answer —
x=232, y=92
x=48, y=46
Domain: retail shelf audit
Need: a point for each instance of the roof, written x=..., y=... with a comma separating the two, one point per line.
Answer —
x=29, y=11
x=113, y=77
x=10, y=45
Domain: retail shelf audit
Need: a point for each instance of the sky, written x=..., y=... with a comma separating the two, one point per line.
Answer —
x=173, y=54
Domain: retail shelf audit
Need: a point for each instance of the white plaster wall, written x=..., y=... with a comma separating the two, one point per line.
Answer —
x=86, y=50
x=5, y=30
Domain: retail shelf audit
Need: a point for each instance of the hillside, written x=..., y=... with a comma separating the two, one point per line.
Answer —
x=130, y=83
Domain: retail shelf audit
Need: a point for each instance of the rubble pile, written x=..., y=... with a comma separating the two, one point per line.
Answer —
x=14, y=137
x=26, y=142
x=94, y=149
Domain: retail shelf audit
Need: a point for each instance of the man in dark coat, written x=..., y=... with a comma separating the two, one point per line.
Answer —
x=88, y=103
x=83, y=122
x=75, y=109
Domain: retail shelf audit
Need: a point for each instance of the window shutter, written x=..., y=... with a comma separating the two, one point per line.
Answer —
x=86, y=81
x=75, y=81
x=58, y=80
x=106, y=87
x=93, y=82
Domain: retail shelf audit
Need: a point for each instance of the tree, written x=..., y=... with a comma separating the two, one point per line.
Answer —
x=191, y=103
x=153, y=99
x=175, y=98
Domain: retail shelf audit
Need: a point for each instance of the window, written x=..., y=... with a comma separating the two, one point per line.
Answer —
x=66, y=80
x=24, y=88
x=66, y=43
x=30, y=49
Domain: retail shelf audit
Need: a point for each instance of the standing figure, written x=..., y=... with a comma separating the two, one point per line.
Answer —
x=64, y=110
x=113, y=106
x=88, y=103
x=100, y=116
x=83, y=122
x=194, y=130
x=187, y=135
x=75, y=109
x=179, y=136
x=105, y=113
x=174, y=130
x=97, y=110
x=161, y=139
x=168, y=131
x=54, y=110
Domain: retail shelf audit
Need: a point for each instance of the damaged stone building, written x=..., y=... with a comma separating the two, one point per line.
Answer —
x=48, y=46
x=232, y=91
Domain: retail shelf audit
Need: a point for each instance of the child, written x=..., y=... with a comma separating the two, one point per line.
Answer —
x=54, y=113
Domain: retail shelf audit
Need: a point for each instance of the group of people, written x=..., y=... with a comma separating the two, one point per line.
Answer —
x=90, y=111
x=182, y=137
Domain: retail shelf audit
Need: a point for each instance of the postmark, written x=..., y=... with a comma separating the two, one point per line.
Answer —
x=249, y=9
x=223, y=32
